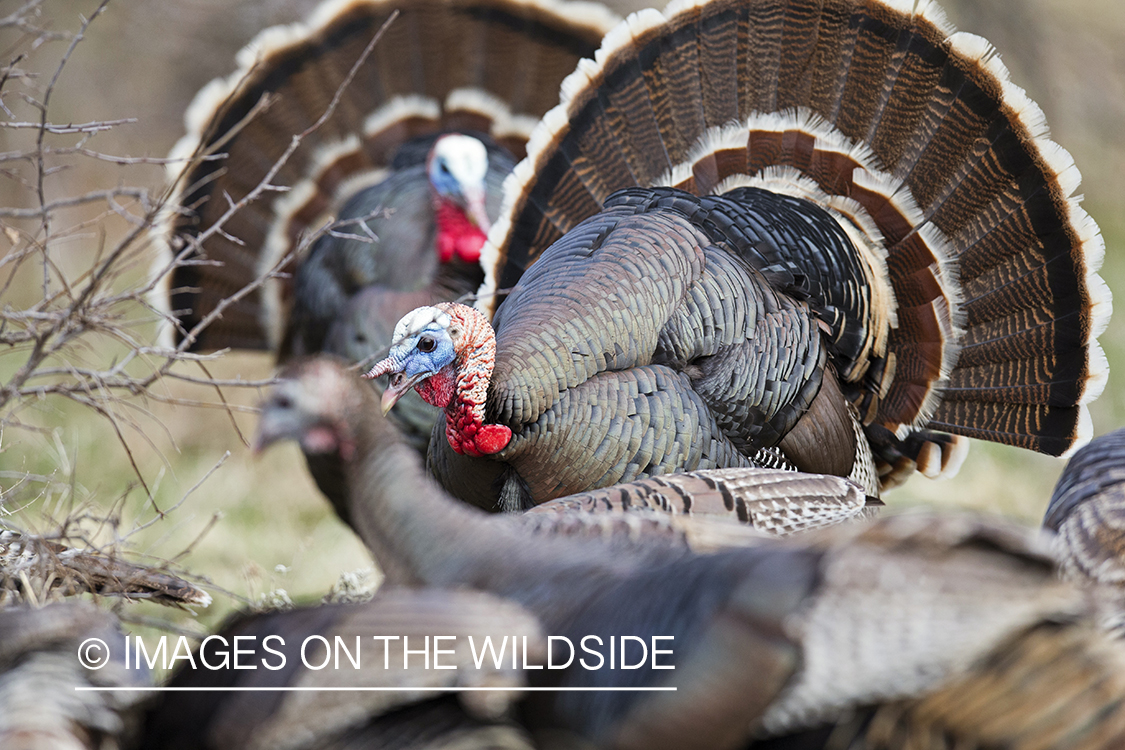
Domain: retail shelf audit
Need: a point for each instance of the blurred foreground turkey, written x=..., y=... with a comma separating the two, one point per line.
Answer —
x=1087, y=510
x=914, y=631
x=40, y=709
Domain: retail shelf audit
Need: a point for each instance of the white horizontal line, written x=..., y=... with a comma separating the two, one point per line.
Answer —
x=371, y=689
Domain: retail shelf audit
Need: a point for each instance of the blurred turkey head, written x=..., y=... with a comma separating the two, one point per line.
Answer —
x=457, y=166
x=310, y=404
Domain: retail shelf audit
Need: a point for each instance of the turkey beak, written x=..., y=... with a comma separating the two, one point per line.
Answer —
x=261, y=442
x=475, y=210
x=272, y=427
x=399, y=387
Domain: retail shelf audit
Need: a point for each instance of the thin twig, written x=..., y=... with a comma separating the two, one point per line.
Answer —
x=47, y=209
x=186, y=495
x=88, y=127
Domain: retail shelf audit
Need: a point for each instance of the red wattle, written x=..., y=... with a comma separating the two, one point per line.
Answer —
x=492, y=438
x=456, y=234
x=473, y=439
x=468, y=436
x=438, y=389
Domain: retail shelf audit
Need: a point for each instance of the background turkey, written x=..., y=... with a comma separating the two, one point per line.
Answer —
x=792, y=641
x=399, y=211
x=1087, y=509
x=897, y=244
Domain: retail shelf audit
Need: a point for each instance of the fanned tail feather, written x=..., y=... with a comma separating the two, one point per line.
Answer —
x=993, y=302
x=491, y=66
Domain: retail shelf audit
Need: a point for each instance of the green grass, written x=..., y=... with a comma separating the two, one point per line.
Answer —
x=255, y=517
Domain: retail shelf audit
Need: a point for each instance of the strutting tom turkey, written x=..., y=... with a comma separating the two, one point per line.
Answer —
x=406, y=173
x=830, y=236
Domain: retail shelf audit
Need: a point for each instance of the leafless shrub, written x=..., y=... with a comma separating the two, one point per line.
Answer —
x=77, y=320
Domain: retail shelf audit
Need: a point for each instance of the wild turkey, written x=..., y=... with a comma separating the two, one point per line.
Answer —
x=912, y=627
x=407, y=170
x=1087, y=511
x=827, y=214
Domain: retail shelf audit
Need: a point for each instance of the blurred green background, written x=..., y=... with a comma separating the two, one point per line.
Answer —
x=266, y=526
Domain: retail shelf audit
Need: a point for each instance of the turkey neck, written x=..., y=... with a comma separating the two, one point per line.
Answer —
x=452, y=280
x=415, y=537
x=421, y=536
x=465, y=428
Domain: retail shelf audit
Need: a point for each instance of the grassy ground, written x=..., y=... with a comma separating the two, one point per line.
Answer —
x=258, y=524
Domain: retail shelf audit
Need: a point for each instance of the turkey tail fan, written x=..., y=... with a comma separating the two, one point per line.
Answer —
x=912, y=134
x=489, y=66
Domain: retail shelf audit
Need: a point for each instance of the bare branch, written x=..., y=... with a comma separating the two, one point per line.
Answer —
x=89, y=127
x=47, y=209
x=83, y=337
x=186, y=495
